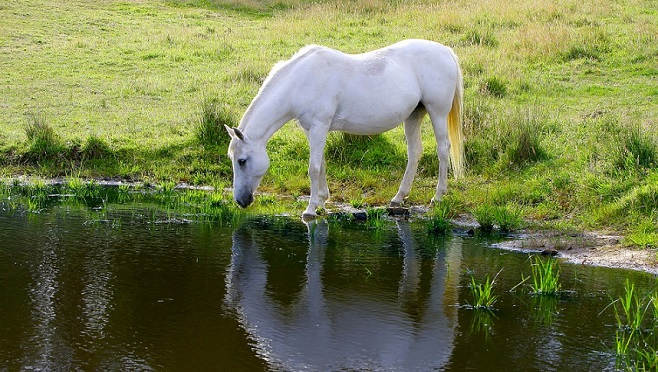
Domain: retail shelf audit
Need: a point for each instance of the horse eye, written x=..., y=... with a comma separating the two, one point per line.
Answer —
x=241, y=162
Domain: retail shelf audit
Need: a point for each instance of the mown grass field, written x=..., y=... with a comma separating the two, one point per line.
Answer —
x=560, y=100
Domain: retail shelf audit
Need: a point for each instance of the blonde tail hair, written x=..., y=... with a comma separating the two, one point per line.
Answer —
x=455, y=125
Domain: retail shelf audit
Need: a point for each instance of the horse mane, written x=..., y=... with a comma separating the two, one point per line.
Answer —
x=275, y=74
x=282, y=66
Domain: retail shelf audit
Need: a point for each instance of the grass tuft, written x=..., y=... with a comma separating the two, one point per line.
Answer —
x=357, y=203
x=508, y=218
x=209, y=128
x=484, y=37
x=96, y=148
x=525, y=144
x=484, y=215
x=503, y=142
x=494, y=86
x=638, y=149
x=42, y=140
x=376, y=218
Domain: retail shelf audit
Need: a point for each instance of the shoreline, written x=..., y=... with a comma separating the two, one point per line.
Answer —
x=585, y=247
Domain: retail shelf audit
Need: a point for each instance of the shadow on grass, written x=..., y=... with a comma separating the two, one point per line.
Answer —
x=366, y=152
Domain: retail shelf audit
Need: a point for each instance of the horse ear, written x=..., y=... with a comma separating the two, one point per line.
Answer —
x=234, y=132
x=238, y=133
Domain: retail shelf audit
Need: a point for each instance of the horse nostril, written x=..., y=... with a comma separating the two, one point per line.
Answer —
x=250, y=199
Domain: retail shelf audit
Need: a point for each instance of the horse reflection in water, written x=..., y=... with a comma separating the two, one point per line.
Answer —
x=336, y=327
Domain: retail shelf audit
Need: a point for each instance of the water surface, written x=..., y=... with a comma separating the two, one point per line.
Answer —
x=126, y=292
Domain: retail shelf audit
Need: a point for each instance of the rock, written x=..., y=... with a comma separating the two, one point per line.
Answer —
x=397, y=211
x=360, y=215
x=549, y=252
x=470, y=232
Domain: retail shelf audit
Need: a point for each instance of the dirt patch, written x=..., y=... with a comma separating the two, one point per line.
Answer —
x=589, y=248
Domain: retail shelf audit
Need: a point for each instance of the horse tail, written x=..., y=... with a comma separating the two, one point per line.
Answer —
x=455, y=124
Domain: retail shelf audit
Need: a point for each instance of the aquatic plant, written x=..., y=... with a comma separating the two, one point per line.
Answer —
x=654, y=302
x=545, y=309
x=633, y=308
x=545, y=274
x=636, y=351
x=482, y=323
x=166, y=189
x=635, y=346
x=622, y=342
x=482, y=292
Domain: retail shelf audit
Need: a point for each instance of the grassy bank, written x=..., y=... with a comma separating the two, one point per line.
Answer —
x=560, y=101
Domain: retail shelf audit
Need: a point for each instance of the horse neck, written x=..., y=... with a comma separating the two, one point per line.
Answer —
x=266, y=114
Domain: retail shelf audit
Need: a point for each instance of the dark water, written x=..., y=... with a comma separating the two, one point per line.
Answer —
x=78, y=292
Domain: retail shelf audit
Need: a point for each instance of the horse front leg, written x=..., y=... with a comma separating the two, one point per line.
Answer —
x=317, y=138
x=414, y=150
x=324, y=187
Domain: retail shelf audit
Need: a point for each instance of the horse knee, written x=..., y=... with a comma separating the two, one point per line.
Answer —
x=314, y=170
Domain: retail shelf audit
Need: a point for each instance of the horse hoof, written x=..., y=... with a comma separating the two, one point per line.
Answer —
x=309, y=216
x=394, y=204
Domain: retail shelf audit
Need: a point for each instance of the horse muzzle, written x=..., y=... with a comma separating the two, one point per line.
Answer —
x=244, y=199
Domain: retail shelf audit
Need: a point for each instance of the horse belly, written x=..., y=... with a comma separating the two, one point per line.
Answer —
x=376, y=110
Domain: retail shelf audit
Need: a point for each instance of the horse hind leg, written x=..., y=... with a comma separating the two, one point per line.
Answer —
x=414, y=151
x=440, y=125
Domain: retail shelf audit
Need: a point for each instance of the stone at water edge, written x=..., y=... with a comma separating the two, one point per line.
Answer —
x=397, y=211
x=549, y=252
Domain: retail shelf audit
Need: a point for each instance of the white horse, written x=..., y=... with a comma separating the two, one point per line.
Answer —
x=366, y=94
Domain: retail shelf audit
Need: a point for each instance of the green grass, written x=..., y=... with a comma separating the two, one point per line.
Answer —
x=201, y=206
x=376, y=218
x=484, y=215
x=560, y=113
x=357, y=203
x=438, y=222
x=507, y=218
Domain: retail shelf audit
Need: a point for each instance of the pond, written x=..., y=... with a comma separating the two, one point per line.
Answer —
x=129, y=291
